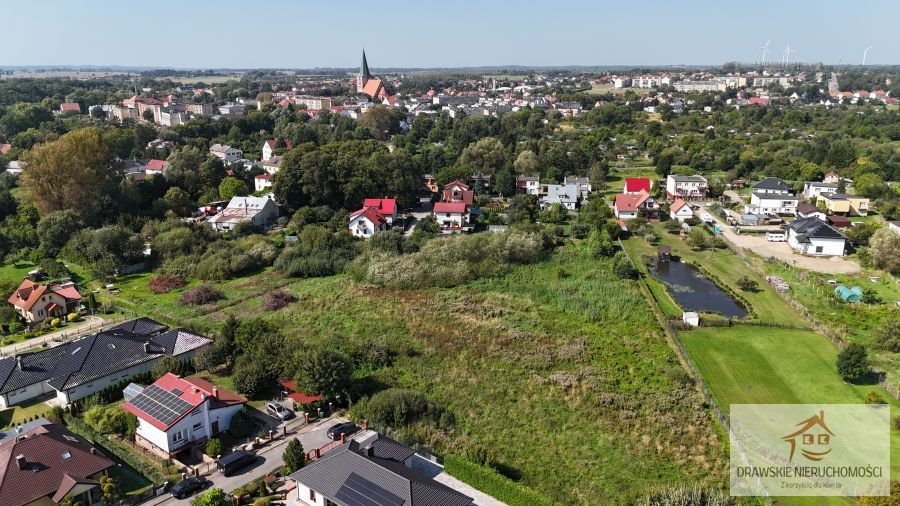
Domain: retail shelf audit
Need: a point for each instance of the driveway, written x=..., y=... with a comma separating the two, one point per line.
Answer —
x=270, y=459
x=436, y=471
x=90, y=323
x=781, y=251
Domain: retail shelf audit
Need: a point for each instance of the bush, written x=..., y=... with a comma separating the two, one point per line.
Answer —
x=110, y=419
x=887, y=335
x=684, y=495
x=897, y=422
x=489, y=481
x=73, y=317
x=200, y=295
x=397, y=407
x=214, y=447
x=55, y=322
x=622, y=266
x=166, y=283
x=873, y=397
x=277, y=299
x=242, y=424
x=747, y=284
x=853, y=362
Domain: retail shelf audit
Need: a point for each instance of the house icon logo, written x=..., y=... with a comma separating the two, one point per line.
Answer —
x=813, y=438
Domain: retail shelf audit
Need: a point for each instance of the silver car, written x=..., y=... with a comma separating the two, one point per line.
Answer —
x=277, y=410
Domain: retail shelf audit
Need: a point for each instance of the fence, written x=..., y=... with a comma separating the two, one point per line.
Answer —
x=59, y=336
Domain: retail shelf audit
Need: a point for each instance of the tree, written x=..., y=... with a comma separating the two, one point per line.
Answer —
x=698, y=239
x=883, y=247
x=214, y=447
x=326, y=372
x=382, y=122
x=853, y=362
x=109, y=489
x=182, y=169
x=485, y=155
x=56, y=228
x=22, y=116
x=148, y=115
x=294, y=456
x=527, y=163
x=178, y=201
x=602, y=244
x=212, y=497
x=887, y=335
x=251, y=375
x=166, y=365
x=869, y=185
x=232, y=187
x=69, y=173
x=622, y=266
x=747, y=284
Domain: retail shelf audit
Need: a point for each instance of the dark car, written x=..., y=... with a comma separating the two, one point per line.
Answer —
x=187, y=487
x=235, y=461
x=341, y=429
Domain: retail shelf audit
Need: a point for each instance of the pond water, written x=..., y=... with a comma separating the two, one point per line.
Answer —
x=694, y=292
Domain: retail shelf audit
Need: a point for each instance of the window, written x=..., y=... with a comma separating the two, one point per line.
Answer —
x=818, y=249
x=312, y=495
x=179, y=436
x=66, y=455
x=198, y=425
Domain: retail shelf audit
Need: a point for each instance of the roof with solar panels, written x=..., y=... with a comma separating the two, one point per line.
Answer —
x=171, y=397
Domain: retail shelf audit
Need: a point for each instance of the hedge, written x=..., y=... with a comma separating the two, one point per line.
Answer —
x=121, y=450
x=493, y=483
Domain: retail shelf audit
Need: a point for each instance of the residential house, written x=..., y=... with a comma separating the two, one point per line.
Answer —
x=844, y=204
x=482, y=180
x=635, y=185
x=812, y=189
x=450, y=216
x=772, y=185
x=226, y=153
x=565, y=195
x=528, y=185
x=45, y=464
x=154, y=167
x=272, y=165
x=772, y=203
x=809, y=211
x=379, y=471
x=312, y=103
x=70, y=107
x=812, y=236
x=76, y=369
x=582, y=184
x=260, y=211
x=458, y=191
x=262, y=181
x=36, y=302
x=631, y=206
x=686, y=187
x=175, y=414
x=680, y=210
x=431, y=183
x=366, y=222
x=386, y=208
x=268, y=150
x=199, y=109
x=231, y=109
x=833, y=178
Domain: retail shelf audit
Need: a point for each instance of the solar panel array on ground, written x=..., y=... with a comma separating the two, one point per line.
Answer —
x=160, y=404
x=358, y=491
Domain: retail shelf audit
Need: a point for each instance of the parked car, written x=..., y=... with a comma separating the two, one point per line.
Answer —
x=235, y=461
x=341, y=429
x=187, y=487
x=278, y=410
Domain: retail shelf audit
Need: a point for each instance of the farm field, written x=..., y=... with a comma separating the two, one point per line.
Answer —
x=555, y=361
x=601, y=89
x=210, y=79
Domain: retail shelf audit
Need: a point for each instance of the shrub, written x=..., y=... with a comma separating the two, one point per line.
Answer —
x=396, y=407
x=489, y=481
x=853, y=362
x=873, y=397
x=294, y=456
x=242, y=424
x=214, y=447
x=55, y=322
x=887, y=335
x=200, y=295
x=108, y=419
x=166, y=283
x=747, y=284
x=684, y=495
x=277, y=299
x=251, y=376
x=622, y=266
x=73, y=317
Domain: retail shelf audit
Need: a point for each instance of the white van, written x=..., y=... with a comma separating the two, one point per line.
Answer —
x=776, y=236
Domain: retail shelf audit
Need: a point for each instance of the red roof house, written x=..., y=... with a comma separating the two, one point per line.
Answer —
x=628, y=206
x=638, y=184
x=175, y=413
x=680, y=210
x=758, y=101
x=387, y=208
x=156, y=167
x=70, y=107
x=37, y=302
x=366, y=222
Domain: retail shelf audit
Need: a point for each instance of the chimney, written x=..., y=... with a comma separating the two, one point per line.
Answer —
x=21, y=462
x=215, y=392
x=147, y=347
x=93, y=451
x=19, y=363
x=370, y=451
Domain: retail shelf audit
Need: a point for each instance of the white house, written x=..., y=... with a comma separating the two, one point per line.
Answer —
x=628, y=206
x=582, y=184
x=366, y=222
x=563, y=194
x=772, y=203
x=812, y=189
x=529, y=185
x=226, y=153
x=261, y=211
x=177, y=413
x=84, y=366
x=450, y=215
x=262, y=181
x=772, y=185
x=812, y=236
x=268, y=150
x=686, y=187
x=810, y=211
x=680, y=210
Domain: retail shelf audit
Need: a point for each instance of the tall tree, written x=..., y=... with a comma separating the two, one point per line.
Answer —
x=69, y=173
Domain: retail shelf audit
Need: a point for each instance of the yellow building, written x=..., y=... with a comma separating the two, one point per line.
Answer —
x=843, y=204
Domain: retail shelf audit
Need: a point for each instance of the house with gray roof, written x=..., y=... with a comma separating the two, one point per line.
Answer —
x=812, y=236
x=563, y=194
x=376, y=473
x=76, y=369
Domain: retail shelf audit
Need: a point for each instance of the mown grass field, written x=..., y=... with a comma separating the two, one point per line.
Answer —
x=556, y=367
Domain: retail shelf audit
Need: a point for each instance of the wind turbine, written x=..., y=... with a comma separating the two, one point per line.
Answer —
x=865, y=54
x=765, y=50
x=787, y=54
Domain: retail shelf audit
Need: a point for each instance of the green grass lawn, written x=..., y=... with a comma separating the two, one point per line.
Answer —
x=22, y=413
x=130, y=482
x=744, y=364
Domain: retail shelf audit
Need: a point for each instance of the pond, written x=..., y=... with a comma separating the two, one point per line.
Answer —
x=694, y=292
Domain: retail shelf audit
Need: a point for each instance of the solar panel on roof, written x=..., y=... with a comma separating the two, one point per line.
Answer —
x=358, y=491
x=160, y=404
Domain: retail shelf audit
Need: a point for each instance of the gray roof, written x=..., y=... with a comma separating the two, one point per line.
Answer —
x=351, y=478
x=775, y=196
x=686, y=179
x=814, y=228
x=772, y=183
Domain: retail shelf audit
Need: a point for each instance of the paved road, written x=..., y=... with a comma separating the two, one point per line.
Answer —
x=311, y=436
x=90, y=323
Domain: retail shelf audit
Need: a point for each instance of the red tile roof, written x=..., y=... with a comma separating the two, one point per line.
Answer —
x=636, y=184
x=384, y=207
x=264, y=176
x=4, y=148
x=70, y=106
x=56, y=453
x=194, y=391
x=156, y=165
x=28, y=293
x=758, y=101
x=271, y=143
x=369, y=214
x=678, y=204
x=630, y=203
x=450, y=207
x=298, y=397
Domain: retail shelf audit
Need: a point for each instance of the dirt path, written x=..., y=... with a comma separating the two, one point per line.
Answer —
x=781, y=251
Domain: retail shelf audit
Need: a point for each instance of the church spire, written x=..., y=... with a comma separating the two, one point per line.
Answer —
x=364, y=67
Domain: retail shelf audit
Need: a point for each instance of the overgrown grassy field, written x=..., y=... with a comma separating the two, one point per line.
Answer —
x=557, y=367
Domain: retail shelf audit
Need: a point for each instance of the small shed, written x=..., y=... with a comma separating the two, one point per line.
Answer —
x=691, y=318
x=849, y=294
x=664, y=253
x=838, y=221
x=752, y=220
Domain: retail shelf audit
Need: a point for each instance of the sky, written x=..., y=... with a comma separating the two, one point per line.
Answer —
x=405, y=33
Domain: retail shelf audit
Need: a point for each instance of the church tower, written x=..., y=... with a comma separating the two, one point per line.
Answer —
x=364, y=74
